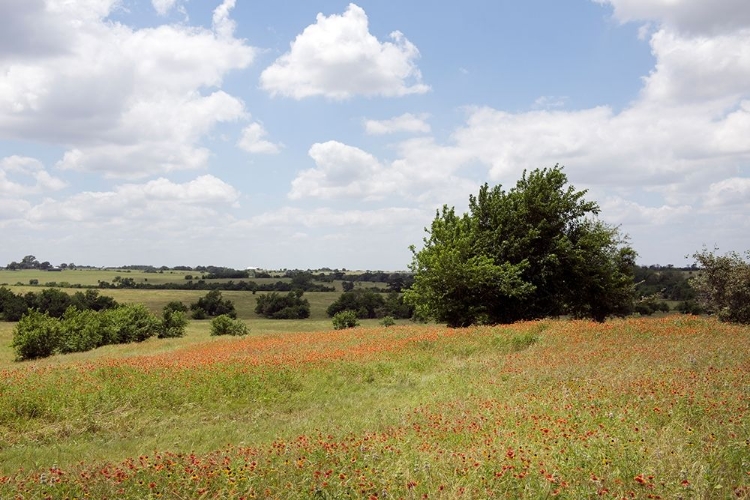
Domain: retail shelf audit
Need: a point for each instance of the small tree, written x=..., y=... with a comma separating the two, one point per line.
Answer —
x=80, y=331
x=173, y=320
x=345, y=319
x=226, y=325
x=133, y=323
x=36, y=335
x=212, y=305
x=274, y=306
x=365, y=303
x=723, y=285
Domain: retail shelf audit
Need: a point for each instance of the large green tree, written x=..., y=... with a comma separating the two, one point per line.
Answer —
x=537, y=250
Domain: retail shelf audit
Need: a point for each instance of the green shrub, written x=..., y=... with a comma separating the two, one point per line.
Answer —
x=723, y=285
x=387, y=321
x=226, y=325
x=80, y=331
x=173, y=324
x=36, y=335
x=345, y=319
x=365, y=303
x=134, y=323
x=213, y=305
x=275, y=306
x=199, y=313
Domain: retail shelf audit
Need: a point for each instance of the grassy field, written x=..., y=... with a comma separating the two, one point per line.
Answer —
x=636, y=408
x=20, y=280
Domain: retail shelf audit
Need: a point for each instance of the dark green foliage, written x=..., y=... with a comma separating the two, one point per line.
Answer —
x=666, y=282
x=12, y=306
x=133, y=323
x=37, y=335
x=226, y=325
x=365, y=303
x=532, y=252
x=90, y=299
x=80, y=331
x=173, y=320
x=723, y=285
x=690, y=307
x=212, y=305
x=345, y=319
x=290, y=306
x=649, y=305
x=387, y=321
x=176, y=306
x=396, y=307
x=53, y=301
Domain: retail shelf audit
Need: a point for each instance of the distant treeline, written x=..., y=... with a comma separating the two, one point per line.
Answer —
x=53, y=302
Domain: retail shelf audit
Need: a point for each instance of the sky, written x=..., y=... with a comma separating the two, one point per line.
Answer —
x=307, y=134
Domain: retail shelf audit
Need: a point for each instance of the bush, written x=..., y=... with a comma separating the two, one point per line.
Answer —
x=213, y=305
x=80, y=331
x=365, y=304
x=134, y=323
x=36, y=335
x=173, y=324
x=275, y=306
x=12, y=306
x=345, y=319
x=387, y=321
x=723, y=286
x=226, y=325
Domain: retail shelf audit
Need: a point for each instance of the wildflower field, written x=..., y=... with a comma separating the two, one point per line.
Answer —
x=635, y=408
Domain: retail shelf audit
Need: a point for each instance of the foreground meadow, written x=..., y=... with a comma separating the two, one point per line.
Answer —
x=637, y=408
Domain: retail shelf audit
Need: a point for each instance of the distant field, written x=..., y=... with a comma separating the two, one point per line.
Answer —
x=635, y=408
x=88, y=277
x=92, y=277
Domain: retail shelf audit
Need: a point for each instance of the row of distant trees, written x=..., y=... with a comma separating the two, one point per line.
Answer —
x=31, y=262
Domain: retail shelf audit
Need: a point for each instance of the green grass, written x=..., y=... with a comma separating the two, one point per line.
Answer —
x=544, y=409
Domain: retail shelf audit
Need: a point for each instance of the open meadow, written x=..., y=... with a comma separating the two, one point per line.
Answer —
x=643, y=408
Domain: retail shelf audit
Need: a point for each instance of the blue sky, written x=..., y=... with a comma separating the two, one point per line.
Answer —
x=309, y=134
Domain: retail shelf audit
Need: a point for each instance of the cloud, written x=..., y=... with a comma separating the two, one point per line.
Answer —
x=223, y=24
x=693, y=16
x=341, y=171
x=163, y=7
x=338, y=58
x=423, y=173
x=159, y=201
x=630, y=213
x=404, y=123
x=730, y=192
x=331, y=218
x=550, y=101
x=26, y=168
x=252, y=140
x=124, y=102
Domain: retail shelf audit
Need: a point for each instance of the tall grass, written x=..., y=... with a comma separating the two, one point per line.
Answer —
x=645, y=408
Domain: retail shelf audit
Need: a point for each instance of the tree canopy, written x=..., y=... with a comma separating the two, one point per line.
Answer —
x=723, y=285
x=537, y=250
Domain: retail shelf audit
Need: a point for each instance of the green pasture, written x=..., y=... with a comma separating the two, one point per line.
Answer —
x=91, y=277
x=636, y=408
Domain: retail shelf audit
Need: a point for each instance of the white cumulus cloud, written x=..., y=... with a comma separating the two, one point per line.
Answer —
x=337, y=57
x=253, y=141
x=403, y=123
x=124, y=102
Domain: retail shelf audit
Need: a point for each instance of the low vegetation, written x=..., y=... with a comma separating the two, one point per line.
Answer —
x=635, y=408
x=39, y=335
x=290, y=306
